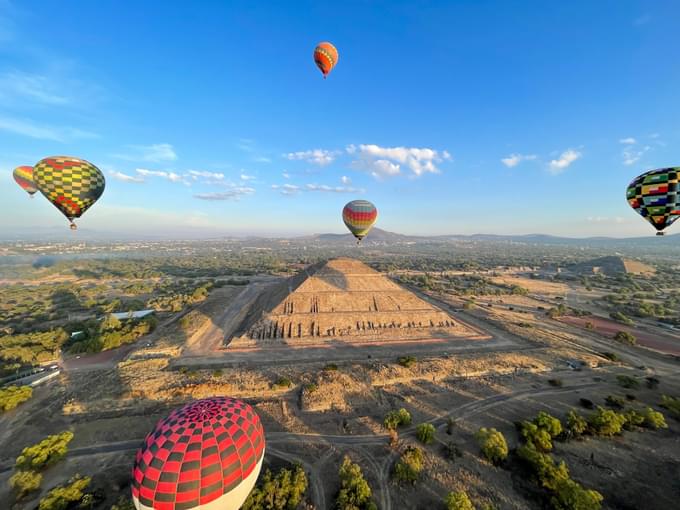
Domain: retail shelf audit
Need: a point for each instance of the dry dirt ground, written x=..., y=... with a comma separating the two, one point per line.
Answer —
x=326, y=413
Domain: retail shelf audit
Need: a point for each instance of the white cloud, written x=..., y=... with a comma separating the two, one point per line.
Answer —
x=632, y=155
x=628, y=141
x=155, y=153
x=262, y=159
x=120, y=176
x=246, y=177
x=605, y=219
x=654, y=135
x=42, y=132
x=332, y=189
x=388, y=161
x=515, y=159
x=286, y=175
x=208, y=175
x=345, y=180
x=232, y=194
x=286, y=189
x=319, y=157
x=566, y=158
x=171, y=176
x=31, y=87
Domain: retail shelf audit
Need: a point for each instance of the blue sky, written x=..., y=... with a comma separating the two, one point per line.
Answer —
x=452, y=117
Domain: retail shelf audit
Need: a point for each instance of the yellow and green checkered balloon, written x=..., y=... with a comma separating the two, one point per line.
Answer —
x=71, y=184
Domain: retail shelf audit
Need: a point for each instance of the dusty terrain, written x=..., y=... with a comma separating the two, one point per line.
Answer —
x=321, y=401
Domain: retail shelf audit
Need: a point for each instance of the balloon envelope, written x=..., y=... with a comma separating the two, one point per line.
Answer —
x=23, y=175
x=207, y=454
x=71, y=184
x=326, y=57
x=359, y=216
x=654, y=195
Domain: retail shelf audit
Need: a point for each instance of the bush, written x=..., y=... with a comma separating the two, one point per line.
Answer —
x=395, y=419
x=652, y=383
x=625, y=337
x=410, y=465
x=217, y=372
x=555, y=382
x=588, y=404
x=311, y=387
x=283, y=382
x=611, y=356
x=451, y=451
x=425, y=433
x=12, y=396
x=492, y=444
x=628, y=382
x=589, y=325
x=615, y=401
x=543, y=466
x=355, y=493
x=576, y=424
x=536, y=436
x=407, y=361
x=653, y=419
x=633, y=419
x=619, y=317
x=458, y=501
x=672, y=404
x=570, y=495
x=330, y=367
x=605, y=422
x=548, y=423
x=46, y=453
x=63, y=496
x=283, y=491
x=24, y=482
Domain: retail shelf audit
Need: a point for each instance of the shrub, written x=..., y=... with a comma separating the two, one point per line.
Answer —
x=493, y=444
x=425, y=433
x=12, y=396
x=589, y=325
x=625, y=337
x=672, y=404
x=615, y=401
x=619, y=317
x=355, y=493
x=283, y=491
x=450, y=424
x=451, y=451
x=605, y=422
x=311, y=387
x=217, y=372
x=536, y=436
x=633, y=419
x=543, y=466
x=576, y=424
x=330, y=367
x=548, y=423
x=458, y=501
x=628, y=382
x=630, y=396
x=555, y=382
x=63, y=496
x=283, y=382
x=652, y=383
x=410, y=465
x=47, y=452
x=407, y=361
x=588, y=404
x=570, y=495
x=394, y=419
x=24, y=482
x=654, y=419
x=611, y=356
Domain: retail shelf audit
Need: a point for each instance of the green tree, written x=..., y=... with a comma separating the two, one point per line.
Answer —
x=538, y=437
x=394, y=419
x=63, y=496
x=549, y=423
x=458, y=501
x=410, y=465
x=12, y=396
x=46, y=453
x=281, y=492
x=543, y=466
x=24, y=482
x=672, y=404
x=570, y=495
x=605, y=422
x=653, y=419
x=110, y=323
x=633, y=419
x=576, y=424
x=493, y=444
x=625, y=337
x=425, y=433
x=355, y=493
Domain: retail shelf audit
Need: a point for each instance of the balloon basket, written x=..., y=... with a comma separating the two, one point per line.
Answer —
x=660, y=233
x=73, y=226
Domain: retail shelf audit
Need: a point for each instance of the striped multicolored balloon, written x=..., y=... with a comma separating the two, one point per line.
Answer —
x=24, y=177
x=656, y=197
x=359, y=216
x=326, y=57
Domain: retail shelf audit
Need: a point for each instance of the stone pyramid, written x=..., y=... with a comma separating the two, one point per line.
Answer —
x=344, y=300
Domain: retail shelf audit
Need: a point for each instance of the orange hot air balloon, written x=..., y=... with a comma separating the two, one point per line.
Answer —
x=326, y=57
x=23, y=175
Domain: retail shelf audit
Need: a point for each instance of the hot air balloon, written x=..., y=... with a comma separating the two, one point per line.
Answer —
x=71, y=184
x=207, y=454
x=325, y=56
x=359, y=216
x=24, y=177
x=654, y=195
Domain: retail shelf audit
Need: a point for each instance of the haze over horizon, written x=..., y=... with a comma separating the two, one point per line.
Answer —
x=472, y=118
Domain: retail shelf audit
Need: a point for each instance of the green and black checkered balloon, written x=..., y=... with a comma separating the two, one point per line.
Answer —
x=71, y=184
